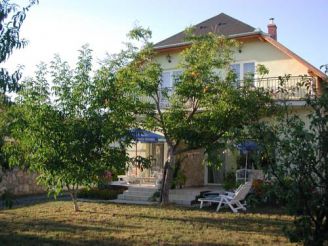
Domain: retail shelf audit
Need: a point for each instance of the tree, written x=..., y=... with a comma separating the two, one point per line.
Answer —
x=206, y=108
x=296, y=154
x=11, y=20
x=73, y=132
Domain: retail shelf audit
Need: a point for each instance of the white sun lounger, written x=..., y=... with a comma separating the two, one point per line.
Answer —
x=231, y=199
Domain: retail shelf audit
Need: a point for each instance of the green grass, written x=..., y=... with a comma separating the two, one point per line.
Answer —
x=55, y=223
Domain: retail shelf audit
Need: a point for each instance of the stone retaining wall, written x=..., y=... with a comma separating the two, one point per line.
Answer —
x=19, y=182
x=193, y=168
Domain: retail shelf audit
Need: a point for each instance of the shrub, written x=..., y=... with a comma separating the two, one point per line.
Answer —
x=180, y=179
x=155, y=197
x=229, y=182
x=102, y=194
x=266, y=193
x=7, y=199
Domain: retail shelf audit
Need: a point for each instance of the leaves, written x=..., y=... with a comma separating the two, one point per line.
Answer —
x=11, y=20
x=66, y=132
x=295, y=149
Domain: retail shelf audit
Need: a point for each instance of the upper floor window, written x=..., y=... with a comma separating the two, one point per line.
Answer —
x=243, y=71
x=169, y=78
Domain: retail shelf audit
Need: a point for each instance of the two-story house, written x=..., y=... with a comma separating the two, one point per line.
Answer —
x=257, y=47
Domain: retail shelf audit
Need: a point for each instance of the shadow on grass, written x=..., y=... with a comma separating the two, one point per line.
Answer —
x=21, y=239
x=31, y=200
x=271, y=227
x=232, y=222
x=47, y=232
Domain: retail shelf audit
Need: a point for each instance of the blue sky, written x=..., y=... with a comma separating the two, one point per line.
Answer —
x=63, y=26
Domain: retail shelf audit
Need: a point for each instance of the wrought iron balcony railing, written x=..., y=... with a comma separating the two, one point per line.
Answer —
x=294, y=88
x=288, y=88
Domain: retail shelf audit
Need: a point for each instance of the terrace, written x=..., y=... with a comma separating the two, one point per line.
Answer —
x=293, y=88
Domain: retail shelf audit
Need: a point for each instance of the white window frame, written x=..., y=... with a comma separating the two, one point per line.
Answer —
x=241, y=64
x=171, y=71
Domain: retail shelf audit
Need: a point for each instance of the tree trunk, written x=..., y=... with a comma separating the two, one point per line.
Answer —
x=74, y=199
x=167, y=178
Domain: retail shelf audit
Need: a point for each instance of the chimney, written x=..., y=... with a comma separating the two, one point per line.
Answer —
x=272, y=29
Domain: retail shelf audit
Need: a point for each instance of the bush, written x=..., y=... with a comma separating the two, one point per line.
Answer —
x=155, y=197
x=102, y=194
x=266, y=193
x=229, y=182
x=180, y=179
x=7, y=199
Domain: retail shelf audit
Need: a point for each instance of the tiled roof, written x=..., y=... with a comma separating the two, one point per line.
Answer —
x=221, y=24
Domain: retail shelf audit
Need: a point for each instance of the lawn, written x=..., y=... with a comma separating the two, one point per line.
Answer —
x=55, y=223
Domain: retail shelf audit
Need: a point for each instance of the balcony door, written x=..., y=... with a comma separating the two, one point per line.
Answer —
x=214, y=175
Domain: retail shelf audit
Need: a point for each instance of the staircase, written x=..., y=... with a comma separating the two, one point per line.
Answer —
x=137, y=194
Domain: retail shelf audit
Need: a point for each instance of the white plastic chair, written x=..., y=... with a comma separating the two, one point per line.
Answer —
x=231, y=199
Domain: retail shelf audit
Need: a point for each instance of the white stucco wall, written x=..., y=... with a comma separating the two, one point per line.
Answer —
x=260, y=52
x=275, y=60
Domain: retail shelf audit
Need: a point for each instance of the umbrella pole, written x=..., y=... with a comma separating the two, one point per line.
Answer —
x=246, y=167
x=136, y=157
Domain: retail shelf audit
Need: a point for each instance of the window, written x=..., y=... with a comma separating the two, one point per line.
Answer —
x=166, y=80
x=249, y=70
x=236, y=69
x=169, y=78
x=243, y=71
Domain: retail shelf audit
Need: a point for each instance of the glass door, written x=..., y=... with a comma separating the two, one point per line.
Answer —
x=215, y=175
x=157, y=155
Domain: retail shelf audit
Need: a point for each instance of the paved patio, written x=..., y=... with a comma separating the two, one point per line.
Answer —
x=141, y=193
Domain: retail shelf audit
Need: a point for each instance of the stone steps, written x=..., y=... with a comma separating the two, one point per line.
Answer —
x=136, y=193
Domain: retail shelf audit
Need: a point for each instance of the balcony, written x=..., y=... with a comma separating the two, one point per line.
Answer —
x=295, y=88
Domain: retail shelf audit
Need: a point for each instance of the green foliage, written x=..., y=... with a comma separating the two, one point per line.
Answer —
x=101, y=194
x=266, y=193
x=262, y=70
x=72, y=132
x=297, y=157
x=180, y=179
x=206, y=108
x=140, y=162
x=229, y=182
x=11, y=20
x=7, y=199
x=156, y=196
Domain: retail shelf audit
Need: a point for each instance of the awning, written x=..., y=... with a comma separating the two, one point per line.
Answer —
x=144, y=136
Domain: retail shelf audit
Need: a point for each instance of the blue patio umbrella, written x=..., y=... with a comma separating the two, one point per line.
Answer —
x=245, y=147
x=144, y=136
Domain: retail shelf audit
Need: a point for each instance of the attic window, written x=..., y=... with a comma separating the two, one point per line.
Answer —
x=222, y=23
x=202, y=27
